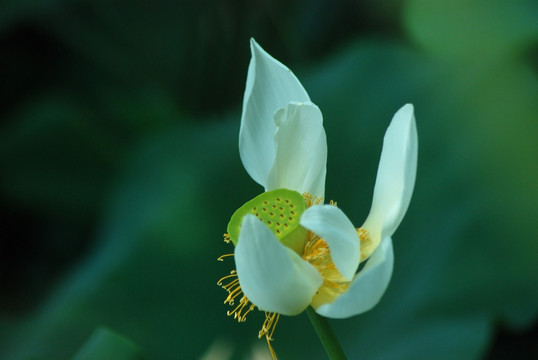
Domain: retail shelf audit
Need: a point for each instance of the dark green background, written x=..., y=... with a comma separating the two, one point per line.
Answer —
x=119, y=170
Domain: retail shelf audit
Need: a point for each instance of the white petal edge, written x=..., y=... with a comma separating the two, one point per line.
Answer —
x=332, y=225
x=367, y=288
x=395, y=176
x=270, y=86
x=301, y=150
x=273, y=277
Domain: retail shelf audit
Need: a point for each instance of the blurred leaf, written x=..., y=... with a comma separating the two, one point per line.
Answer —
x=52, y=155
x=107, y=345
x=153, y=276
x=476, y=30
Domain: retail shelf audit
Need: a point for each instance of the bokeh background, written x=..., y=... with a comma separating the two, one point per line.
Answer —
x=119, y=170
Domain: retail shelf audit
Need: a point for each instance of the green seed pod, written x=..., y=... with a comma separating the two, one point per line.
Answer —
x=281, y=211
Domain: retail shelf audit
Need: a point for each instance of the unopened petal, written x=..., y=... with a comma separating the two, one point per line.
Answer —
x=332, y=225
x=273, y=277
x=395, y=176
x=301, y=150
x=367, y=288
x=270, y=86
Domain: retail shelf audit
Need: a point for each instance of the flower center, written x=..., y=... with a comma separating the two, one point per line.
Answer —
x=281, y=211
x=317, y=253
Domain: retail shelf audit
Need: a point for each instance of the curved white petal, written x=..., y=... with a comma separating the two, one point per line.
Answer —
x=273, y=277
x=395, y=176
x=367, y=288
x=270, y=86
x=301, y=150
x=332, y=225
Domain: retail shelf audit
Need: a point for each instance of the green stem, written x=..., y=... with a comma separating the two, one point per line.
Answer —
x=326, y=335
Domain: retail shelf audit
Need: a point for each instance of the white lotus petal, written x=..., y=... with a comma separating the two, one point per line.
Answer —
x=332, y=225
x=273, y=277
x=367, y=288
x=301, y=150
x=270, y=86
x=395, y=176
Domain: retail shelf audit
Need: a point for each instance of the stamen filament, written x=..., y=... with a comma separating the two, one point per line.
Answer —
x=221, y=258
x=231, y=284
x=318, y=254
x=232, y=274
x=268, y=328
x=366, y=244
x=237, y=312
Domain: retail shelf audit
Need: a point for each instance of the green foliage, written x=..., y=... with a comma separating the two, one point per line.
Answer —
x=106, y=345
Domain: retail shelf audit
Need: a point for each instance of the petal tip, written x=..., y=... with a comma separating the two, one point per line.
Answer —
x=406, y=113
x=258, y=52
x=403, y=122
x=254, y=46
x=408, y=107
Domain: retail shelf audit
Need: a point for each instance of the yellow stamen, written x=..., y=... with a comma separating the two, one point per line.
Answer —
x=317, y=253
x=366, y=244
x=232, y=274
x=238, y=313
x=312, y=200
x=268, y=328
x=221, y=258
x=269, y=325
x=230, y=283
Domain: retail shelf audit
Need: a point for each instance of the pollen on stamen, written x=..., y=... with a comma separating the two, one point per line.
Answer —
x=311, y=199
x=244, y=307
x=234, y=290
x=232, y=274
x=221, y=258
x=365, y=243
x=241, y=310
x=318, y=254
x=230, y=283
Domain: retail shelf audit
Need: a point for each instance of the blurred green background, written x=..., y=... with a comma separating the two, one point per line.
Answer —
x=119, y=170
